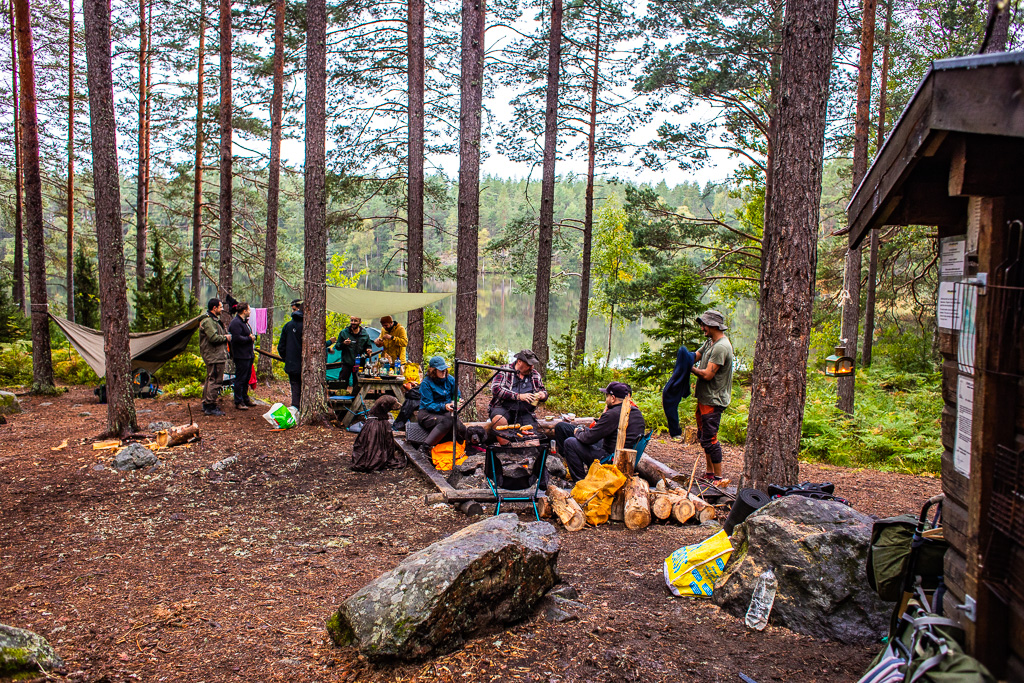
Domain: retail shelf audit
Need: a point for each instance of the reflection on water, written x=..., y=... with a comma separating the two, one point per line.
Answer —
x=505, y=316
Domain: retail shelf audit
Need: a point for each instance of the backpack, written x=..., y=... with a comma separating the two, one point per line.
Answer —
x=889, y=554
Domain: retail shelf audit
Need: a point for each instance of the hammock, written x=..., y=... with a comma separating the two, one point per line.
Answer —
x=149, y=350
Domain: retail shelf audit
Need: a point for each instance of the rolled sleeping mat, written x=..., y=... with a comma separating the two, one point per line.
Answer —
x=747, y=501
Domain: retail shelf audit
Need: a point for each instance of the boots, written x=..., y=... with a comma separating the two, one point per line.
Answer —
x=212, y=409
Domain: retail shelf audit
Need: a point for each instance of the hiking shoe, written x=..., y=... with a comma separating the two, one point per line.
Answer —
x=251, y=404
x=426, y=450
x=214, y=412
x=241, y=406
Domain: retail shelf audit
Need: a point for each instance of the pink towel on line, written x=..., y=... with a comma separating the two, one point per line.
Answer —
x=258, y=321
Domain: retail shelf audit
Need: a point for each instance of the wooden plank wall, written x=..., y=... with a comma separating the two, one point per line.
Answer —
x=954, y=484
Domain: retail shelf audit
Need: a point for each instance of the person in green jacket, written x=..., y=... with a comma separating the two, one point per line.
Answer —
x=352, y=341
x=213, y=345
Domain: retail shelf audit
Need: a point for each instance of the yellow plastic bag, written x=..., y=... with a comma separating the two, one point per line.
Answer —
x=441, y=454
x=596, y=491
x=692, y=570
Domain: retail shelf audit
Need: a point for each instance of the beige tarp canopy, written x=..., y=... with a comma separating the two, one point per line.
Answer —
x=149, y=350
x=368, y=304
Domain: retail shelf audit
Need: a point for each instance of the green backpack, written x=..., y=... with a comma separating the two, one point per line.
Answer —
x=889, y=553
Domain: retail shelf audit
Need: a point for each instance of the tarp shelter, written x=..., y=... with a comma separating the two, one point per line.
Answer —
x=369, y=304
x=149, y=350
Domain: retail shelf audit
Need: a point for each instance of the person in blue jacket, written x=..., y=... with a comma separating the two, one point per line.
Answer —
x=437, y=405
x=676, y=389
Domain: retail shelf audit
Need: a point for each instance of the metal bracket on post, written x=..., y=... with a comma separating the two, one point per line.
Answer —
x=981, y=280
x=969, y=608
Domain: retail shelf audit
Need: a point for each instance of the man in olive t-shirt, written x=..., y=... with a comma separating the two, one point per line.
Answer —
x=713, y=368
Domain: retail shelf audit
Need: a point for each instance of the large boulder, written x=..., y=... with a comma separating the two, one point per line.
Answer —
x=488, y=574
x=9, y=403
x=24, y=652
x=134, y=456
x=817, y=550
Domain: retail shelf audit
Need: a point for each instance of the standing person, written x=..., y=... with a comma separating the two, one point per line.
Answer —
x=213, y=345
x=393, y=339
x=242, y=353
x=352, y=341
x=437, y=405
x=289, y=347
x=713, y=390
x=515, y=395
x=580, y=446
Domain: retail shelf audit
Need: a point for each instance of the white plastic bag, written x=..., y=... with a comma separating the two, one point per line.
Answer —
x=281, y=416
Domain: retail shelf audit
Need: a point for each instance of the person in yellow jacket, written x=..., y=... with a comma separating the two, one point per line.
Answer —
x=393, y=338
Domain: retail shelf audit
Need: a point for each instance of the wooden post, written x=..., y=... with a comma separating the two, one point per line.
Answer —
x=623, y=461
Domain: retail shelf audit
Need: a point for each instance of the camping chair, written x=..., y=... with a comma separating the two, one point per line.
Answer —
x=640, y=446
x=496, y=481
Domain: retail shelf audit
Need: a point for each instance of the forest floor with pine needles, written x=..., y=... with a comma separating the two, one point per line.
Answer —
x=186, y=573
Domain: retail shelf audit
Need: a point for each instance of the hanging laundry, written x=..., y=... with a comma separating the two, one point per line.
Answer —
x=258, y=321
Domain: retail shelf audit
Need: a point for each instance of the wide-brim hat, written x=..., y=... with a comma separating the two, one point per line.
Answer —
x=528, y=356
x=712, y=319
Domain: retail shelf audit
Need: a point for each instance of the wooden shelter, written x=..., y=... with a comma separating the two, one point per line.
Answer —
x=955, y=160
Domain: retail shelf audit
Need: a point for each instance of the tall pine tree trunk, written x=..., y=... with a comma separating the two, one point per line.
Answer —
x=414, y=211
x=472, y=83
x=110, y=245
x=70, y=256
x=197, y=188
x=588, y=212
x=19, y=238
x=42, y=367
x=273, y=188
x=314, y=355
x=546, y=233
x=140, y=185
x=790, y=247
x=862, y=130
x=997, y=27
x=869, y=303
x=224, y=278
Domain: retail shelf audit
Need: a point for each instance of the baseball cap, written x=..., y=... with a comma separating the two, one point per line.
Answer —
x=617, y=389
x=438, y=363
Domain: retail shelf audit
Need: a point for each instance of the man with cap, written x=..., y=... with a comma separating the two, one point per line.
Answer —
x=352, y=341
x=289, y=347
x=713, y=390
x=393, y=339
x=213, y=345
x=515, y=395
x=580, y=446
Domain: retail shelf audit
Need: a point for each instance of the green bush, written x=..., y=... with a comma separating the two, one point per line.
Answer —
x=186, y=388
x=71, y=368
x=16, y=363
x=186, y=367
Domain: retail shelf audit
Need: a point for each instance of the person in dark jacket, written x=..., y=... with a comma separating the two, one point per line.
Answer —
x=242, y=353
x=580, y=446
x=289, y=347
x=676, y=389
x=412, y=398
x=353, y=341
x=213, y=345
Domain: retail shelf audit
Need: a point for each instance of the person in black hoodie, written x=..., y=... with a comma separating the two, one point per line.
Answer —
x=242, y=353
x=289, y=347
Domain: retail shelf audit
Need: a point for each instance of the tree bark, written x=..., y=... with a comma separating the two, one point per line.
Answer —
x=140, y=185
x=869, y=304
x=472, y=82
x=546, y=231
x=314, y=355
x=789, y=259
x=42, y=367
x=19, y=238
x=862, y=131
x=110, y=245
x=273, y=189
x=414, y=210
x=70, y=256
x=997, y=27
x=224, y=278
x=588, y=213
x=197, y=187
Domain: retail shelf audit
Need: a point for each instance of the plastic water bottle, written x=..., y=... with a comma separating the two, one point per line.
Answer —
x=761, y=601
x=398, y=367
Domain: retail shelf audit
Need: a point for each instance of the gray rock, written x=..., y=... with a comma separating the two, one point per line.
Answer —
x=564, y=590
x=99, y=467
x=561, y=604
x=555, y=466
x=221, y=465
x=817, y=550
x=85, y=413
x=143, y=411
x=160, y=425
x=173, y=403
x=24, y=652
x=45, y=403
x=488, y=574
x=134, y=456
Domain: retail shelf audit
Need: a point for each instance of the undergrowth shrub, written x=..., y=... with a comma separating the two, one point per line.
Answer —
x=16, y=363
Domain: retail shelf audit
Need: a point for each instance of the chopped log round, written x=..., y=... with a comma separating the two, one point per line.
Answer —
x=682, y=510
x=177, y=435
x=707, y=514
x=568, y=511
x=662, y=506
x=637, y=512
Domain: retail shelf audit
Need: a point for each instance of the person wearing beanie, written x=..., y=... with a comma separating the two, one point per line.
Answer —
x=393, y=339
x=213, y=346
x=580, y=446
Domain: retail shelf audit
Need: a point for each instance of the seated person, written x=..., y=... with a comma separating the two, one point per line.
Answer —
x=437, y=405
x=393, y=339
x=580, y=446
x=412, y=398
x=515, y=395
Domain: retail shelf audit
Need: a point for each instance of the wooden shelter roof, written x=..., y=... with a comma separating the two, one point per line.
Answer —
x=962, y=134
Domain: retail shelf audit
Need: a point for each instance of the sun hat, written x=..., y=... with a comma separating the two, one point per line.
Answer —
x=528, y=356
x=712, y=319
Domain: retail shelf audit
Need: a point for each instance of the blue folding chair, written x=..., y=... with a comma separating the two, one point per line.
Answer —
x=640, y=446
x=493, y=466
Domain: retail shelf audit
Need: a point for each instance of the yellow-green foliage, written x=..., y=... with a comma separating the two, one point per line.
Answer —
x=15, y=363
x=71, y=368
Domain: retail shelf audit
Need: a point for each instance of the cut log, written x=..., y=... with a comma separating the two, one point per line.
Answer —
x=707, y=514
x=617, y=512
x=176, y=436
x=638, y=508
x=544, y=508
x=471, y=508
x=106, y=445
x=569, y=512
x=662, y=505
x=682, y=510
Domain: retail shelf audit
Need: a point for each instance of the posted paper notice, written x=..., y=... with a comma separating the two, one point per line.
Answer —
x=949, y=309
x=964, y=421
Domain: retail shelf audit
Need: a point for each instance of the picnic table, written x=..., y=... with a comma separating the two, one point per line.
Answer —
x=377, y=386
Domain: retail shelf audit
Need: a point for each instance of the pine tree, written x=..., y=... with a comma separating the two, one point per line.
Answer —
x=87, y=292
x=162, y=300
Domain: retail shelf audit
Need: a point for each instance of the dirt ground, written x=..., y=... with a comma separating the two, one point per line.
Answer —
x=190, y=574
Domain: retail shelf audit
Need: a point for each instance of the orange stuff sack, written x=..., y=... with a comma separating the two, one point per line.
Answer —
x=441, y=454
x=596, y=491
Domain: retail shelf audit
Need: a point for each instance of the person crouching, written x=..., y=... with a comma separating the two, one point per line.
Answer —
x=580, y=446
